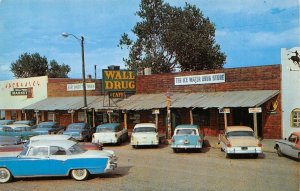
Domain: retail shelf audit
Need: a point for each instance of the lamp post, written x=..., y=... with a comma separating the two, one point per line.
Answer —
x=83, y=69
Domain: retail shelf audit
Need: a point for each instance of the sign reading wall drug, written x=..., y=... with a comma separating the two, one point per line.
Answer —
x=118, y=80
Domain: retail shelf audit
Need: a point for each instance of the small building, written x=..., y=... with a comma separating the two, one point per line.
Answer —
x=290, y=81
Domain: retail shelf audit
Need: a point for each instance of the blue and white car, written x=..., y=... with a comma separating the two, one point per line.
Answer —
x=56, y=158
x=187, y=137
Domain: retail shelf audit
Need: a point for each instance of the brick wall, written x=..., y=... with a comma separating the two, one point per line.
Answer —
x=247, y=78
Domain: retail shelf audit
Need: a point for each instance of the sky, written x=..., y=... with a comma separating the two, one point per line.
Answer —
x=249, y=32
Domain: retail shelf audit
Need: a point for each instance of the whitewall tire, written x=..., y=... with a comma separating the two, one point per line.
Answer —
x=79, y=174
x=5, y=175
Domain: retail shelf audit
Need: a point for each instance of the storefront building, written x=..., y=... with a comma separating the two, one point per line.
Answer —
x=19, y=93
x=290, y=61
x=211, y=99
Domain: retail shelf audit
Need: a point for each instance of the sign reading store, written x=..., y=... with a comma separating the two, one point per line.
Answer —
x=118, y=80
x=200, y=79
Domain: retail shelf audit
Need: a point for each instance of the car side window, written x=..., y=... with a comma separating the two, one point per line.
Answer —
x=293, y=138
x=57, y=151
x=38, y=151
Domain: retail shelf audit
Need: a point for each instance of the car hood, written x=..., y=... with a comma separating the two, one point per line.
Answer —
x=41, y=130
x=243, y=141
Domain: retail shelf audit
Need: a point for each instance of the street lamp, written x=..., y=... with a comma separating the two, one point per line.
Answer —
x=83, y=69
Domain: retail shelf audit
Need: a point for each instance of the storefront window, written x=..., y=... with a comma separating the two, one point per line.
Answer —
x=201, y=117
x=51, y=116
x=80, y=116
x=295, y=118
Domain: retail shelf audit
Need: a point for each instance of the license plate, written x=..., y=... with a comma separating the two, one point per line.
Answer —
x=244, y=148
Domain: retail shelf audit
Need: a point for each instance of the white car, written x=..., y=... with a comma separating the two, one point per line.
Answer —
x=144, y=134
x=110, y=133
x=239, y=140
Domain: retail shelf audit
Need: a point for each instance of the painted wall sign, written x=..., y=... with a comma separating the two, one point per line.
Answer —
x=200, y=79
x=19, y=92
x=116, y=94
x=79, y=87
x=118, y=80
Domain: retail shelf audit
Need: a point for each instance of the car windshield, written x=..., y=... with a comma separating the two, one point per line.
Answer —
x=106, y=129
x=186, y=132
x=44, y=126
x=75, y=127
x=76, y=149
x=24, y=151
x=144, y=129
x=240, y=134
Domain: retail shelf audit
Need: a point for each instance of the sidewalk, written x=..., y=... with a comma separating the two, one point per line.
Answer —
x=268, y=144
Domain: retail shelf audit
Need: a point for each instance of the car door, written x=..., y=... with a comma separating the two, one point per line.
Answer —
x=35, y=162
x=57, y=161
x=291, y=149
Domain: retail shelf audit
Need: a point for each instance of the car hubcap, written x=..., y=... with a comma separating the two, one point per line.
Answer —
x=79, y=173
x=3, y=174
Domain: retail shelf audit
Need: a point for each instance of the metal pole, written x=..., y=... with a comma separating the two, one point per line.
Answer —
x=83, y=77
x=95, y=72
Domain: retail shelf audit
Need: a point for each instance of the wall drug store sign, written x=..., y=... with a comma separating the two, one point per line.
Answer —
x=118, y=80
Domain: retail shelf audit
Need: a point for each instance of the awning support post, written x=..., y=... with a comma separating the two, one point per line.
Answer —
x=191, y=116
x=225, y=120
x=125, y=119
x=94, y=114
x=255, y=123
x=156, y=120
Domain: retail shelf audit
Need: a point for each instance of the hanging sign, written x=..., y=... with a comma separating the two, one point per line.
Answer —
x=255, y=110
x=224, y=110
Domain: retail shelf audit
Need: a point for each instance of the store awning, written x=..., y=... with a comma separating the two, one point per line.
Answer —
x=251, y=98
x=70, y=103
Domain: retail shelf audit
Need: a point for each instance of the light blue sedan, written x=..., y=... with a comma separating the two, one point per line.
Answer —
x=187, y=137
x=56, y=158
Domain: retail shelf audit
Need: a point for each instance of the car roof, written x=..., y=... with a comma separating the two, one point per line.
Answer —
x=16, y=125
x=238, y=128
x=109, y=125
x=58, y=143
x=145, y=125
x=296, y=133
x=188, y=126
x=50, y=137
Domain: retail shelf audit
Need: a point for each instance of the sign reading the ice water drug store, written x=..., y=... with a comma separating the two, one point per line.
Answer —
x=118, y=80
x=200, y=79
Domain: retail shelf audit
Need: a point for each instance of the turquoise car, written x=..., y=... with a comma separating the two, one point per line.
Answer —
x=187, y=137
x=23, y=132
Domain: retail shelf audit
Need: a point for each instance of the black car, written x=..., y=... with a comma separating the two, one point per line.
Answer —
x=49, y=127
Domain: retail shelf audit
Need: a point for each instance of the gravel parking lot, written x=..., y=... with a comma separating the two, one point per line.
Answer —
x=161, y=169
